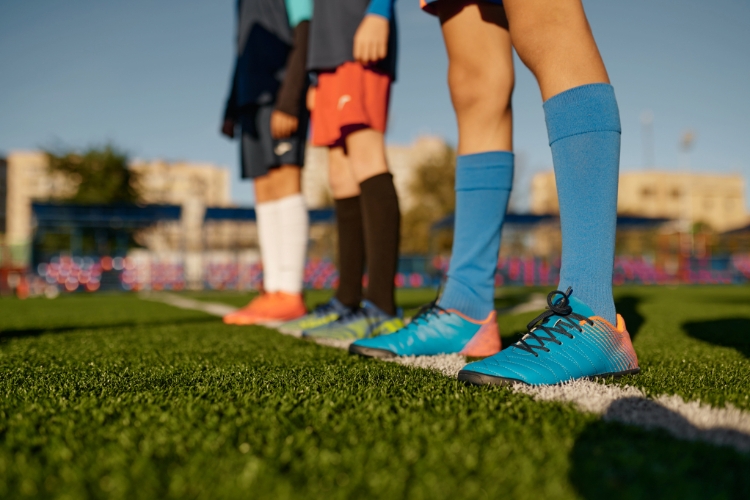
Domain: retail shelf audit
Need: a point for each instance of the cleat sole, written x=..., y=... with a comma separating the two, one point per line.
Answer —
x=295, y=332
x=370, y=352
x=474, y=378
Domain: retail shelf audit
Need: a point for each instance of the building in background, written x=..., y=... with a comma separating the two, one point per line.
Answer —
x=193, y=186
x=28, y=180
x=658, y=240
x=402, y=161
x=717, y=200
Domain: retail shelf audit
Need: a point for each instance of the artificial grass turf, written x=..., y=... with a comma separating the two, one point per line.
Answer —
x=146, y=401
x=408, y=299
x=691, y=341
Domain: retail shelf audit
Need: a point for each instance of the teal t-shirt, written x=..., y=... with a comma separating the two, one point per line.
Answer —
x=298, y=11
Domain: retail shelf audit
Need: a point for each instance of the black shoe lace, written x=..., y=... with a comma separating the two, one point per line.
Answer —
x=568, y=319
x=350, y=313
x=324, y=308
x=431, y=309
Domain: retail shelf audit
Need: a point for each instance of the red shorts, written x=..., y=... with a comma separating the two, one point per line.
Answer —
x=351, y=98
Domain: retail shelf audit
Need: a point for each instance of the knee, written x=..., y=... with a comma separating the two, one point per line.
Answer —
x=286, y=179
x=334, y=178
x=264, y=189
x=553, y=38
x=480, y=89
x=341, y=181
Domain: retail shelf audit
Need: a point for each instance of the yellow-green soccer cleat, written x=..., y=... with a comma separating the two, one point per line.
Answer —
x=367, y=321
x=320, y=316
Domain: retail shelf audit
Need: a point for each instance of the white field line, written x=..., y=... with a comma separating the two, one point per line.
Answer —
x=536, y=302
x=691, y=421
x=212, y=308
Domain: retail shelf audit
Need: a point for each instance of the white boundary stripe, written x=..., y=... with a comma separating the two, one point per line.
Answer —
x=536, y=302
x=691, y=421
x=212, y=308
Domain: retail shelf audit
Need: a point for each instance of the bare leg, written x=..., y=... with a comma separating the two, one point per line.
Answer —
x=481, y=81
x=278, y=183
x=553, y=38
x=340, y=176
x=366, y=153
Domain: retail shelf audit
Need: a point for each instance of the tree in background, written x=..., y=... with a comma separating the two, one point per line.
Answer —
x=101, y=174
x=433, y=190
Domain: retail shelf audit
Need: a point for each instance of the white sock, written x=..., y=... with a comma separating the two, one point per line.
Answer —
x=293, y=231
x=268, y=220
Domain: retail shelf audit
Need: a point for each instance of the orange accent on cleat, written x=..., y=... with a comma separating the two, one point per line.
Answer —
x=271, y=308
x=248, y=314
x=486, y=342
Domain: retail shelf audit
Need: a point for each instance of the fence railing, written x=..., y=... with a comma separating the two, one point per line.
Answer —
x=145, y=271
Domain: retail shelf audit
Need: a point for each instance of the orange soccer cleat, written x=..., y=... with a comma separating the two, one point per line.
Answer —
x=269, y=309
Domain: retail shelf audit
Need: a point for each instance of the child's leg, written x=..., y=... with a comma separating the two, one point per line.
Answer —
x=282, y=228
x=481, y=81
x=481, y=84
x=351, y=245
x=381, y=216
x=278, y=183
x=554, y=40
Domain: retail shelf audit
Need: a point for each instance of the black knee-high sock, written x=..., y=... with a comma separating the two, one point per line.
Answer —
x=382, y=220
x=351, y=250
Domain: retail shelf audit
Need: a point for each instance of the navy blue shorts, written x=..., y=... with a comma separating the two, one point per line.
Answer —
x=431, y=5
x=259, y=152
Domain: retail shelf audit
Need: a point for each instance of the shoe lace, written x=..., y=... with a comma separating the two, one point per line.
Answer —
x=323, y=309
x=427, y=311
x=568, y=320
x=350, y=314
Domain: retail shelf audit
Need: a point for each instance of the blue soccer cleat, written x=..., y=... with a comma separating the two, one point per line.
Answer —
x=434, y=331
x=365, y=321
x=566, y=342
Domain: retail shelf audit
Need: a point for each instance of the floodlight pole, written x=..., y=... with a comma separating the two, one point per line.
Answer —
x=686, y=144
x=647, y=138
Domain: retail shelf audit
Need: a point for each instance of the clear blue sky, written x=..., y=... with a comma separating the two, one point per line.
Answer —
x=152, y=77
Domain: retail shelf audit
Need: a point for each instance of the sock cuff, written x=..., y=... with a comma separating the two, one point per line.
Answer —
x=491, y=170
x=346, y=201
x=348, y=208
x=265, y=207
x=580, y=110
x=464, y=298
x=376, y=182
x=291, y=200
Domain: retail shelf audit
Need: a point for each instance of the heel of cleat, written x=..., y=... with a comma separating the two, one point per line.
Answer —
x=626, y=348
x=486, y=342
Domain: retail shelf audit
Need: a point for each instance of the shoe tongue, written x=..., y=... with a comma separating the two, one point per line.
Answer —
x=338, y=306
x=371, y=308
x=580, y=308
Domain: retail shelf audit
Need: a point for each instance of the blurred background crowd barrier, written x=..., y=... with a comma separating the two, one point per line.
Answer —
x=92, y=221
x=144, y=271
x=91, y=249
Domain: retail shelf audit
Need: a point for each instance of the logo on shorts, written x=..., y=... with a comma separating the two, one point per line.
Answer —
x=282, y=147
x=343, y=100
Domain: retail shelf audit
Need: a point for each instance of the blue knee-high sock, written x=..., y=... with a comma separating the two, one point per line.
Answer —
x=584, y=133
x=483, y=184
